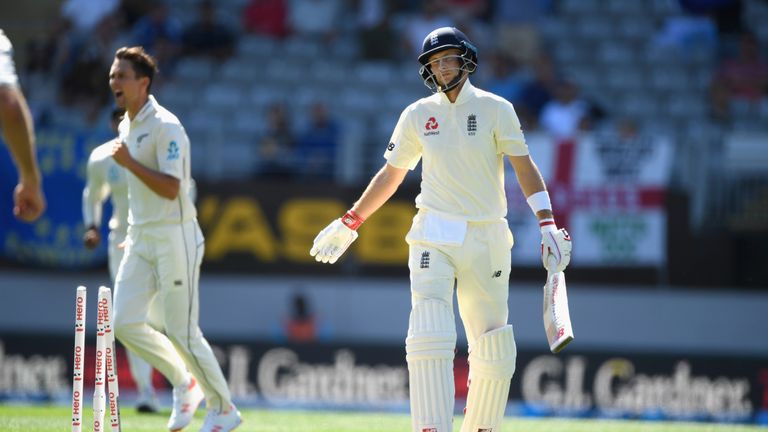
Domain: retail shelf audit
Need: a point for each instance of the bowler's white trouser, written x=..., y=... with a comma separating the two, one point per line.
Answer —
x=163, y=262
x=140, y=369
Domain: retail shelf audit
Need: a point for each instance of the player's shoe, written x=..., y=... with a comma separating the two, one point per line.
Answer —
x=147, y=404
x=222, y=421
x=185, y=402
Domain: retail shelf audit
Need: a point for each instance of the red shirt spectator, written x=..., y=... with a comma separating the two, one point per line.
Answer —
x=267, y=17
x=746, y=76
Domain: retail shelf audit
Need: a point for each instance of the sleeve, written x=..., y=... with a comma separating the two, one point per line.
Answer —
x=95, y=192
x=172, y=149
x=509, y=135
x=404, y=148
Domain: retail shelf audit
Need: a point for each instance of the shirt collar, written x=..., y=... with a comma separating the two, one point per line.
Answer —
x=147, y=109
x=467, y=90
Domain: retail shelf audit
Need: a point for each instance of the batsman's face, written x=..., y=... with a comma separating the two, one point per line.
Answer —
x=445, y=65
x=126, y=87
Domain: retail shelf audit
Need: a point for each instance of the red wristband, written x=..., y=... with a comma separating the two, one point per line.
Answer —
x=352, y=220
x=547, y=225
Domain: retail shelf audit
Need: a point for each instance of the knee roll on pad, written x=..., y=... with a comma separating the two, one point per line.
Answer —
x=491, y=367
x=429, y=351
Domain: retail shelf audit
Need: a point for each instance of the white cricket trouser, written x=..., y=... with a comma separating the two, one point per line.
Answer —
x=479, y=267
x=140, y=369
x=162, y=263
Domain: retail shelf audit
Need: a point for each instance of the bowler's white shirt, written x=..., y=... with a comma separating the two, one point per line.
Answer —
x=156, y=139
x=462, y=145
x=105, y=178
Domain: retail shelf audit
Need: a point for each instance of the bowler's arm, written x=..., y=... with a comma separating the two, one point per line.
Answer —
x=165, y=185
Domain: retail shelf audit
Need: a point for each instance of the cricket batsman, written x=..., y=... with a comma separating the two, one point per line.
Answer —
x=459, y=235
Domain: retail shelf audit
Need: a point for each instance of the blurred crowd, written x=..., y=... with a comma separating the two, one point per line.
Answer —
x=66, y=69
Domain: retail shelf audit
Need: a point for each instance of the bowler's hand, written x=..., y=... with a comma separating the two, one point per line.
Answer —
x=91, y=238
x=28, y=201
x=332, y=242
x=556, y=246
x=120, y=153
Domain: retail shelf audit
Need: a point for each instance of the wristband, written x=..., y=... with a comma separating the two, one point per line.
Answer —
x=539, y=201
x=352, y=220
x=547, y=225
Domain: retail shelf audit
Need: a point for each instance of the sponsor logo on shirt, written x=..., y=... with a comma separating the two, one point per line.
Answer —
x=431, y=127
x=173, y=151
x=141, y=137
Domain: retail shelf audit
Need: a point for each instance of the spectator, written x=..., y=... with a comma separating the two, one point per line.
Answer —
x=507, y=77
x=85, y=15
x=725, y=13
x=474, y=9
x=536, y=92
x=207, y=36
x=744, y=77
x=315, y=18
x=266, y=17
x=374, y=23
x=160, y=35
x=565, y=115
x=82, y=85
x=300, y=327
x=316, y=146
x=432, y=16
x=277, y=145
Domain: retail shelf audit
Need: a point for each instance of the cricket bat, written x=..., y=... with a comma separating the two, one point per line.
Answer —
x=557, y=318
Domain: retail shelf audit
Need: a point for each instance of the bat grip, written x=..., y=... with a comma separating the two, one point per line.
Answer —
x=551, y=264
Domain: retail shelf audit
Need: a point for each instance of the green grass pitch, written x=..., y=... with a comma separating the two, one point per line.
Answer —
x=56, y=418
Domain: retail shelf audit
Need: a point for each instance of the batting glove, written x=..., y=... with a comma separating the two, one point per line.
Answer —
x=336, y=238
x=555, y=246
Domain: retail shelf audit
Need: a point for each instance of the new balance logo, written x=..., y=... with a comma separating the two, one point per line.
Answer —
x=425, y=259
x=496, y=274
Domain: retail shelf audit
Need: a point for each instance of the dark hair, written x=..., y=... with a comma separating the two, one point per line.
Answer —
x=143, y=64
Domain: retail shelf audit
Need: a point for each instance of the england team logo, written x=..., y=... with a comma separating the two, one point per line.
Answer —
x=471, y=124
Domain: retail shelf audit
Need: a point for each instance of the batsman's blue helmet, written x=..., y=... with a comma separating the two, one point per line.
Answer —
x=442, y=39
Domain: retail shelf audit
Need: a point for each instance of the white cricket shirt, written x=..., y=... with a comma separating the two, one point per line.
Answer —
x=105, y=178
x=157, y=140
x=462, y=145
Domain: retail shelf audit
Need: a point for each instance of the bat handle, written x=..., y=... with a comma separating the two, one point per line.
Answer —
x=551, y=264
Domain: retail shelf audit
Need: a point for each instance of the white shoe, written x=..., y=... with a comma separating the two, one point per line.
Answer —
x=225, y=421
x=185, y=402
